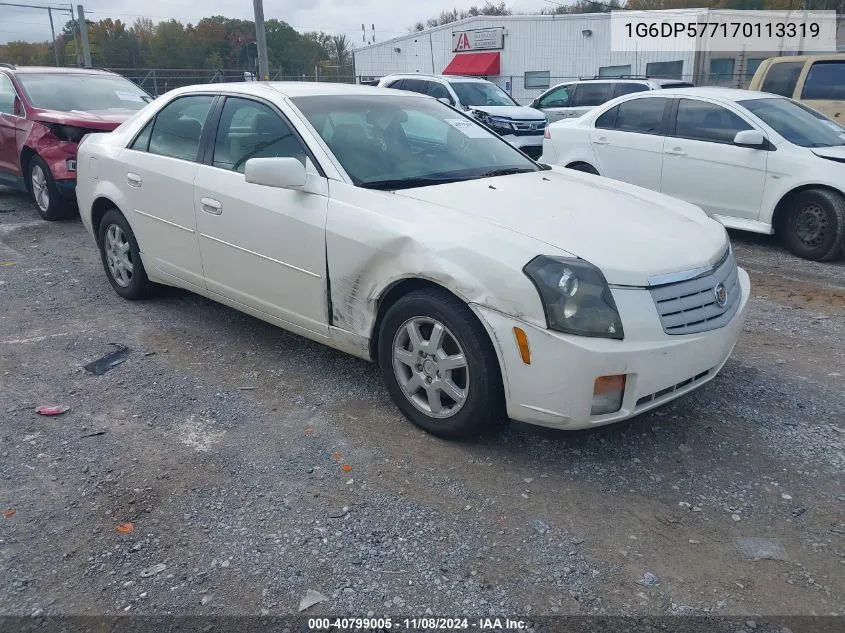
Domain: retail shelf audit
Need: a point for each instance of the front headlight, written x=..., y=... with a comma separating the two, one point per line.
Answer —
x=575, y=296
x=69, y=133
x=499, y=124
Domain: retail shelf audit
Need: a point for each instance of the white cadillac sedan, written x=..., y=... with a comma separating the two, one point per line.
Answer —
x=393, y=227
x=752, y=160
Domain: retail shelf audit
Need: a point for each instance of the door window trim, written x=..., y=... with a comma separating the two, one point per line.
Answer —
x=152, y=122
x=214, y=124
x=671, y=131
x=17, y=96
x=665, y=123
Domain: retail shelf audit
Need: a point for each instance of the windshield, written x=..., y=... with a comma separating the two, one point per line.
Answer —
x=82, y=92
x=403, y=141
x=797, y=123
x=478, y=93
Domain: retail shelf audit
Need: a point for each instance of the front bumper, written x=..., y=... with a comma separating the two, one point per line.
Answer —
x=556, y=389
x=531, y=145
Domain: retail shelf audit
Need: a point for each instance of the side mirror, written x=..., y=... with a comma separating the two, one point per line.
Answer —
x=282, y=173
x=17, y=107
x=750, y=138
x=535, y=104
x=447, y=101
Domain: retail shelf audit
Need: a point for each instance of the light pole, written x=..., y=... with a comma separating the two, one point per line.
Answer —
x=261, y=41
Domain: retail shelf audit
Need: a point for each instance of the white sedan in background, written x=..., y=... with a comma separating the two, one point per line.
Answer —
x=752, y=160
x=390, y=226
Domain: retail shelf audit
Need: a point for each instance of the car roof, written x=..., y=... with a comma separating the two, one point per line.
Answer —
x=448, y=78
x=295, y=89
x=54, y=70
x=722, y=94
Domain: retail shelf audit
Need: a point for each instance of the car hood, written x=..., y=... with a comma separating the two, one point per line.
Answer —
x=831, y=153
x=630, y=233
x=519, y=113
x=105, y=120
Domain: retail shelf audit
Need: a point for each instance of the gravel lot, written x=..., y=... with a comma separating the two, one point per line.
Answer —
x=255, y=465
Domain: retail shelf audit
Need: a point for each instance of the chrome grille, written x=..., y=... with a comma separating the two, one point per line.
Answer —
x=690, y=306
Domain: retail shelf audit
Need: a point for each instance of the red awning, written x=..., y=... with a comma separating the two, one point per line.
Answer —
x=475, y=64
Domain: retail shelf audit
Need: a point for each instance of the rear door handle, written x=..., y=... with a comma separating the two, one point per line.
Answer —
x=133, y=180
x=675, y=152
x=601, y=141
x=212, y=206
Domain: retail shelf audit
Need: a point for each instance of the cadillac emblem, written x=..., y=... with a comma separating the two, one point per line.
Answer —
x=721, y=294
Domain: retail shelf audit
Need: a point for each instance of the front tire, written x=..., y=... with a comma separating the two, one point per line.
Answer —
x=814, y=225
x=45, y=195
x=439, y=366
x=121, y=257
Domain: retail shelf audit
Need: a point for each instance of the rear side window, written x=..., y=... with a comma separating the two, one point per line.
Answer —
x=607, y=121
x=415, y=85
x=704, y=121
x=643, y=116
x=825, y=80
x=781, y=78
x=591, y=94
x=142, y=141
x=628, y=88
x=178, y=127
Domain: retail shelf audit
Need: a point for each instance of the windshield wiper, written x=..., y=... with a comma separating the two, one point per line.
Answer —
x=406, y=183
x=506, y=172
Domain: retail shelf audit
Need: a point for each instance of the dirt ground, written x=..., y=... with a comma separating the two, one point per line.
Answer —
x=255, y=465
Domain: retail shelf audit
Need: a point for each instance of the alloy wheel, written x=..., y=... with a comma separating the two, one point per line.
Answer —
x=118, y=256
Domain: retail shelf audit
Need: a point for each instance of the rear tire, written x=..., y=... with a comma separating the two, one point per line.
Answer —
x=121, y=257
x=814, y=225
x=439, y=366
x=584, y=167
x=45, y=195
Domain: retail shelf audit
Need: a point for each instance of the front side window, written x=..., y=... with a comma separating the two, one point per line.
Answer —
x=557, y=98
x=781, y=78
x=178, y=127
x=249, y=129
x=82, y=91
x=705, y=121
x=796, y=122
x=607, y=120
x=825, y=80
x=402, y=142
x=591, y=94
x=7, y=96
x=481, y=93
x=643, y=116
x=439, y=91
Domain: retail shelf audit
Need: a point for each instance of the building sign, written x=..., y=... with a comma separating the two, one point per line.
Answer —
x=478, y=40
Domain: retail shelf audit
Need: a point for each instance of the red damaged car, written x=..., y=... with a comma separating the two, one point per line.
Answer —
x=44, y=113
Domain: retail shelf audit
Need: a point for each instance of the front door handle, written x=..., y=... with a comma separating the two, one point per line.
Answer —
x=601, y=141
x=675, y=152
x=212, y=206
x=133, y=180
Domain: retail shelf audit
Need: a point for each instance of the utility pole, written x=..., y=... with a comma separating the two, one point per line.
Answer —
x=53, y=32
x=261, y=40
x=83, y=35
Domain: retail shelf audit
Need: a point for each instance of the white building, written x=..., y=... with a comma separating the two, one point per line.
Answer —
x=525, y=54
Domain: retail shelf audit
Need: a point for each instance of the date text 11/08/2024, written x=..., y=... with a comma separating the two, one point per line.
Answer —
x=424, y=623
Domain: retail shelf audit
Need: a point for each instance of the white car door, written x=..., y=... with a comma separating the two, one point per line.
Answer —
x=262, y=247
x=702, y=165
x=627, y=140
x=159, y=169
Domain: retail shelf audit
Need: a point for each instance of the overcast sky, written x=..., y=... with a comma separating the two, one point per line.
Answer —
x=391, y=17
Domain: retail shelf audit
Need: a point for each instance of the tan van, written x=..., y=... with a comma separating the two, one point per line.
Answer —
x=817, y=80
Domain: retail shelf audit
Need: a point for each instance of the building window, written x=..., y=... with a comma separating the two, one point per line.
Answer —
x=615, y=71
x=722, y=69
x=752, y=65
x=537, y=78
x=665, y=70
